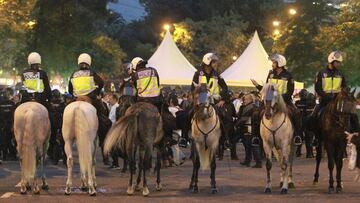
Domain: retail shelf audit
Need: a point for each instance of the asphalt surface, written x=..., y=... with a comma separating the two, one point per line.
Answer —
x=236, y=183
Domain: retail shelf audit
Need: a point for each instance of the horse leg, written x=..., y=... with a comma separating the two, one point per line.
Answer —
x=145, y=165
x=214, y=190
x=44, y=186
x=339, y=165
x=284, y=169
x=90, y=169
x=130, y=189
x=291, y=160
x=268, y=153
x=330, y=155
x=318, y=161
x=140, y=169
x=23, y=184
x=94, y=165
x=69, y=164
x=158, y=166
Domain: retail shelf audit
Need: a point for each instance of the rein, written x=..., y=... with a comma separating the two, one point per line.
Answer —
x=210, y=131
x=273, y=132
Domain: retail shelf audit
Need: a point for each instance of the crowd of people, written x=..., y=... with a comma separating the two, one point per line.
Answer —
x=242, y=109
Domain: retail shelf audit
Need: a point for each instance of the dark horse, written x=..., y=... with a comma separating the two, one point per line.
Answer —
x=332, y=123
x=139, y=129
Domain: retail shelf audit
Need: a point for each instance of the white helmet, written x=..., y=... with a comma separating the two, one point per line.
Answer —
x=209, y=57
x=335, y=56
x=135, y=62
x=34, y=58
x=84, y=58
x=280, y=59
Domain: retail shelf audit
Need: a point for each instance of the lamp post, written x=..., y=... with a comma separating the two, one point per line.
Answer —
x=276, y=23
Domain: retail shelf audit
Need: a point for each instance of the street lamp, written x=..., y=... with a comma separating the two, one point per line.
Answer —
x=276, y=32
x=292, y=11
x=276, y=23
x=234, y=58
x=166, y=27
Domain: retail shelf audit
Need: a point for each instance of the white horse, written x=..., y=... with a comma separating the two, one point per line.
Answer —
x=276, y=131
x=206, y=132
x=32, y=130
x=80, y=124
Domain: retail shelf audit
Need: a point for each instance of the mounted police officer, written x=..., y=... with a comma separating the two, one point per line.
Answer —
x=146, y=82
x=280, y=76
x=35, y=82
x=85, y=82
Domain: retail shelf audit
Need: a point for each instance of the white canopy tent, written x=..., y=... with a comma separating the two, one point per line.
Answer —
x=172, y=66
x=252, y=64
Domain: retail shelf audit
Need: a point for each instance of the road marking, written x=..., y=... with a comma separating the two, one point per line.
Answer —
x=6, y=195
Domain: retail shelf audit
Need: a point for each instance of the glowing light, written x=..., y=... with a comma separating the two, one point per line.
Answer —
x=276, y=32
x=276, y=23
x=166, y=27
x=234, y=58
x=292, y=11
x=31, y=24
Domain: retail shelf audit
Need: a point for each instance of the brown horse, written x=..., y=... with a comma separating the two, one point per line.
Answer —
x=140, y=128
x=333, y=122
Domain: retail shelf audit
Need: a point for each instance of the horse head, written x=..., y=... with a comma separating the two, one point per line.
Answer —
x=201, y=101
x=273, y=102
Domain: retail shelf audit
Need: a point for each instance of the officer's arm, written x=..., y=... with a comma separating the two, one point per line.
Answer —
x=158, y=78
x=343, y=82
x=195, y=80
x=47, y=88
x=259, y=87
x=223, y=84
x=99, y=82
x=318, y=86
x=290, y=88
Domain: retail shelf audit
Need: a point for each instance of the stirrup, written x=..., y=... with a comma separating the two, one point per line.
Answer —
x=255, y=142
x=297, y=140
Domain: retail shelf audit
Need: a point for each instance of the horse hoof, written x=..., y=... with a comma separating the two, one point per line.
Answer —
x=23, y=191
x=130, y=190
x=331, y=190
x=315, y=183
x=267, y=190
x=338, y=189
x=214, y=190
x=36, y=190
x=158, y=187
x=92, y=191
x=291, y=185
x=145, y=192
x=284, y=191
x=191, y=187
x=281, y=184
x=195, y=189
x=45, y=187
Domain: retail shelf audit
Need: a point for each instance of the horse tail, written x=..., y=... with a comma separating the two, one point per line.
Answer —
x=122, y=135
x=83, y=142
x=159, y=132
x=28, y=146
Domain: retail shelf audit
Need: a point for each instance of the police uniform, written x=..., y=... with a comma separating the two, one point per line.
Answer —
x=147, y=84
x=213, y=81
x=37, y=87
x=328, y=84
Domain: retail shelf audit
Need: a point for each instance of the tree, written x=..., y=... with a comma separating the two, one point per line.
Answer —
x=15, y=21
x=297, y=39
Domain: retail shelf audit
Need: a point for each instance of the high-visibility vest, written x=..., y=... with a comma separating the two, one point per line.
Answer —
x=34, y=84
x=331, y=84
x=83, y=85
x=147, y=84
x=281, y=85
x=212, y=84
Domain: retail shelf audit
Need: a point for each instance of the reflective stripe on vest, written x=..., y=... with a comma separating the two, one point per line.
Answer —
x=212, y=84
x=331, y=85
x=83, y=85
x=281, y=85
x=34, y=85
x=148, y=87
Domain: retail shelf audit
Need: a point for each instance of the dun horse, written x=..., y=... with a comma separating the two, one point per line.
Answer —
x=277, y=132
x=32, y=130
x=80, y=124
x=333, y=122
x=206, y=133
x=140, y=128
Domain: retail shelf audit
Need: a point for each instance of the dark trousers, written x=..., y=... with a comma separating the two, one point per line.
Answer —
x=251, y=152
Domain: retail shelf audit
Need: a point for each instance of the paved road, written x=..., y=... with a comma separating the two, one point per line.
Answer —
x=235, y=183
